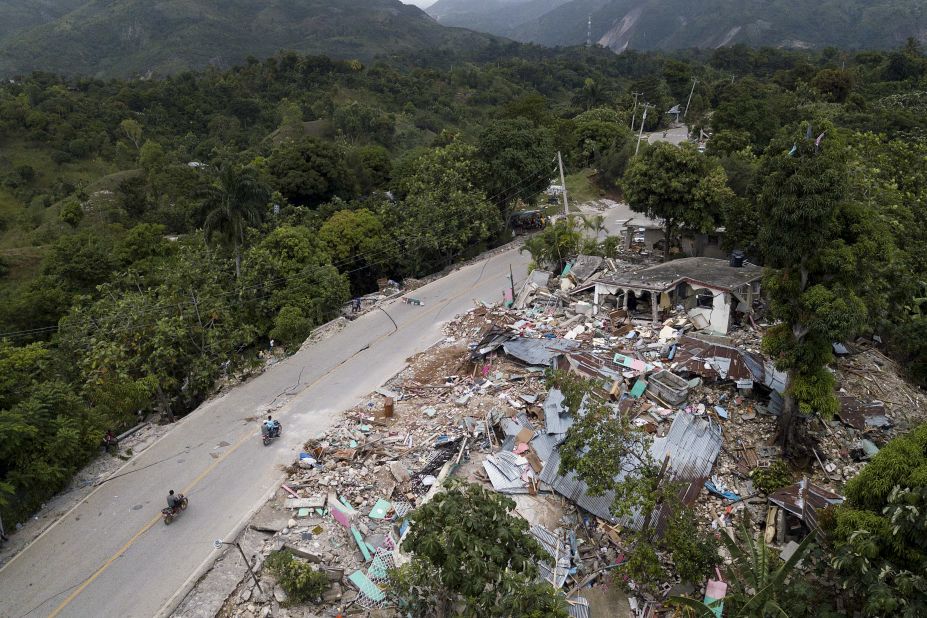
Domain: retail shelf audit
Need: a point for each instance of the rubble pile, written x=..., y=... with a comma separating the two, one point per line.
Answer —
x=477, y=406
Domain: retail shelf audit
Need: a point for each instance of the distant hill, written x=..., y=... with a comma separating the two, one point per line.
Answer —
x=110, y=38
x=673, y=24
x=494, y=16
x=19, y=14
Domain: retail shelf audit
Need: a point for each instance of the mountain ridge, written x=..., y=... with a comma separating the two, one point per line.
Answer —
x=674, y=24
x=119, y=38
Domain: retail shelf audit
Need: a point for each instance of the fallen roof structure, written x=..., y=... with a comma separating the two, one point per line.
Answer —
x=527, y=350
x=691, y=446
x=718, y=361
x=861, y=415
x=696, y=271
x=804, y=499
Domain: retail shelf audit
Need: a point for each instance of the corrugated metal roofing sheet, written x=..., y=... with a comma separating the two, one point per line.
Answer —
x=537, y=351
x=556, y=417
x=692, y=444
x=573, y=489
x=804, y=499
x=501, y=481
x=558, y=548
x=578, y=607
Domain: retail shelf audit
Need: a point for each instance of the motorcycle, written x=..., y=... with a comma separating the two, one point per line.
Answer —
x=269, y=435
x=171, y=513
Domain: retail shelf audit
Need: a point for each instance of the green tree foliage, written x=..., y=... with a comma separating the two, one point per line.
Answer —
x=71, y=212
x=517, y=161
x=759, y=584
x=235, y=201
x=812, y=291
x=878, y=534
x=373, y=167
x=678, y=186
x=301, y=582
x=597, y=131
x=175, y=335
x=358, y=242
x=834, y=84
x=81, y=261
x=291, y=285
x=46, y=431
x=310, y=171
x=555, y=244
x=444, y=213
x=472, y=557
x=359, y=122
x=611, y=454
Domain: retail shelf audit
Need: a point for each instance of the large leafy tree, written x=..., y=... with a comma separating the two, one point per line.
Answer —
x=235, y=201
x=814, y=275
x=610, y=454
x=678, y=186
x=517, y=159
x=291, y=285
x=173, y=336
x=309, y=172
x=444, y=213
x=80, y=261
x=46, y=430
x=472, y=557
x=359, y=243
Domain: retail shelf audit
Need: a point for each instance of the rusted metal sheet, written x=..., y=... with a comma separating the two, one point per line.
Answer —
x=718, y=361
x=589, y=365
x=804, y=499
x=861, y=415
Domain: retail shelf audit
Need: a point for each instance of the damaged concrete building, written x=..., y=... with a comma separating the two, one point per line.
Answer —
x=713, y=292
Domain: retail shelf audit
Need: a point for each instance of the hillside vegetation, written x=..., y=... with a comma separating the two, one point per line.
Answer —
x=139, y=37
x=157, y=234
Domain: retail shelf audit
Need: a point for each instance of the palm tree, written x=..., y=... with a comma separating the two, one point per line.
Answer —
x=234, y=202
x=756, y=581
x=594, y=223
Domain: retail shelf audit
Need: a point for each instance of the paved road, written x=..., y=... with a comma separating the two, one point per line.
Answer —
x=112, y=555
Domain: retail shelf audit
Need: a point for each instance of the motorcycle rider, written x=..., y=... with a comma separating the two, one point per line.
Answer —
x=173, y=502
x=270, y=426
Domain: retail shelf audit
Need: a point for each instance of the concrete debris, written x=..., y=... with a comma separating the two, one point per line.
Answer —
x=477, y=406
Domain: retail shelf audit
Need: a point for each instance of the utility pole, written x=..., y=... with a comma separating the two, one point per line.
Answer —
x=589, y=32
x=634, y=113
x=566, y=210
x=641, y=134
x=694, y=81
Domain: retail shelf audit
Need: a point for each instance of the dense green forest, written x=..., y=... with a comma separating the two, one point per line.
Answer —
x=154, y=234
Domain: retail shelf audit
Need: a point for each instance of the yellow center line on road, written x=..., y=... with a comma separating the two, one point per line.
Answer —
x=144, y=529
x=218, y=461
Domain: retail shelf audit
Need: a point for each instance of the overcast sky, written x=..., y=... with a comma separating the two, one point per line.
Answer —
x=419, y=3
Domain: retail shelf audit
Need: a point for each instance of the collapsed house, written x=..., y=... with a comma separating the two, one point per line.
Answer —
x=711, y=291
x=486, y=413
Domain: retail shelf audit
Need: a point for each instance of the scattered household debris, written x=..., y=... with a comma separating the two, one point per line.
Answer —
x=688, y=370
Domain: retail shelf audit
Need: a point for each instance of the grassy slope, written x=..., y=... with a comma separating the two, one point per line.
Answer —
x=24, y=216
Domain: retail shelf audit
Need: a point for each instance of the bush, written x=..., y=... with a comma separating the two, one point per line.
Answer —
x=298, y=579
x=776, y=476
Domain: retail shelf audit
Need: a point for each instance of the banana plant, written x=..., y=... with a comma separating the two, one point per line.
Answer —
x=755, y=578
